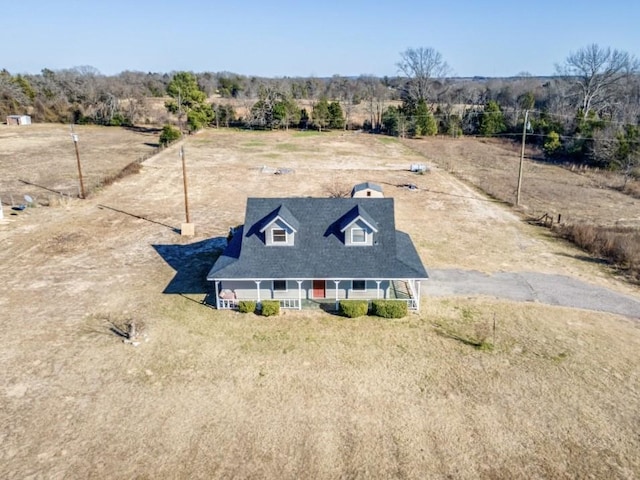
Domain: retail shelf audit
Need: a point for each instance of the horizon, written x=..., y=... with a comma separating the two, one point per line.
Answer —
x=285, y=39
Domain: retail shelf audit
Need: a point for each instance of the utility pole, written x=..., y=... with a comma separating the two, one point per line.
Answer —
x=74, y=137
x=524, y=138
x=184, y=179
x=188, y=229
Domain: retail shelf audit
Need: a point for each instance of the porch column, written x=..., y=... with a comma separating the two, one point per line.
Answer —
x=217, y=295
x=258, y=288
x=299, y=294
x=418, y=295
x=378, y=288
x=337, y=282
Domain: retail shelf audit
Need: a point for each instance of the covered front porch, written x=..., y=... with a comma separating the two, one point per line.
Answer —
x=309, y=293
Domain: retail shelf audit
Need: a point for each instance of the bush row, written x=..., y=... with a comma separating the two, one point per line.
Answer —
x=379, y=308
x=347, y=308
x=269, y=307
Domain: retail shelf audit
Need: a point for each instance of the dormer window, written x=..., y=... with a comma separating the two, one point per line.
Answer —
x=279, y=228
x=358, y=235
x=279, y=235
x=357, y=228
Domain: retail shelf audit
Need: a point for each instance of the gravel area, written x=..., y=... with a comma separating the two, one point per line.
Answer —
x=531, y=287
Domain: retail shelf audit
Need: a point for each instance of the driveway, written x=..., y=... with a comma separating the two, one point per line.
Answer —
x=531, y=287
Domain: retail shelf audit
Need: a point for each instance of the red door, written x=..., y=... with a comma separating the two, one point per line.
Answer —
x=319, y=289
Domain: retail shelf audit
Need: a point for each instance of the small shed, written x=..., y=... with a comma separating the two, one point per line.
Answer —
x=18, y=120
x=367, y=189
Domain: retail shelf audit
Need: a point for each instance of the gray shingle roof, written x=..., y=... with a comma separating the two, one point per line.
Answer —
x=366, y=185
x=319, y=250
x=352, y=215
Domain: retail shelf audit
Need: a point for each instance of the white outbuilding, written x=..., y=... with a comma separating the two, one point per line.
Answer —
x=367, y=189
x=18, y=120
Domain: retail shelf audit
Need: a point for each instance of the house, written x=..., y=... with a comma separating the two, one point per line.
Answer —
x=18, y=120
x=300, y=250
x=367, y=189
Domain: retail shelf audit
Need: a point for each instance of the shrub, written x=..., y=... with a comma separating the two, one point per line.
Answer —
x=169, y=134
x=353, y=308
x=619, y=245
x=270, y=307
x=247, y=306
x=389, y=308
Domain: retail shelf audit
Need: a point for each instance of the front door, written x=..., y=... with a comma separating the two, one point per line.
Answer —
x=319, y=289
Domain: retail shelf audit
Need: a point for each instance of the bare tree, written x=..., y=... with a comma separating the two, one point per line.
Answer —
x=375, y=96
x=422, y=66
x=595, y=72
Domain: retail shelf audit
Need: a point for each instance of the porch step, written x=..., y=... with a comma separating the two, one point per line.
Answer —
x=400, y=289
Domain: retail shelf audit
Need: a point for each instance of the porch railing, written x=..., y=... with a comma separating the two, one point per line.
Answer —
x=227, y=303
x=293, y=303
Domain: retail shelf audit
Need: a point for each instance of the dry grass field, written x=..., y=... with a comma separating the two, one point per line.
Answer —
x=492, y=165
x=305, y=395
x=43, y=155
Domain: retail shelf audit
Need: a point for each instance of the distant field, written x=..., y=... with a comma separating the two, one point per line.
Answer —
x=218, y=394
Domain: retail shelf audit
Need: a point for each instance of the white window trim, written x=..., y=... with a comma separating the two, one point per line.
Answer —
x=364, y=230
x=363, y=290
x=277, y=242
x=286, y=285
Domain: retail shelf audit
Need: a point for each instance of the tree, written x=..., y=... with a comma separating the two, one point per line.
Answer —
x=189, y=99
x=168, y=135
x=594, y=72
x=199, y=116
x=375, y=95
x=492, y=120
x=627, y=153
x=395, y=122
x=449, y=123
x=425, y=124
x=286, y=112
x=552, y=145
x=336, y=117
x=320, y=114
x=224, y=114
x=423, y=66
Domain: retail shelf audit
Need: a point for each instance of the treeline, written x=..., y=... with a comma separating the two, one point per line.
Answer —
x=588, y=112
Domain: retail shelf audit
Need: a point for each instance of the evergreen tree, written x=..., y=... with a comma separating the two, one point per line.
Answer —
x=320, y=114
x=424, y=121
x=492, y=121
x=336, y=117
x=189, y=99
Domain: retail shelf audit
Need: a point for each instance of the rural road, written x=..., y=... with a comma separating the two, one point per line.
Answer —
x=531, y=287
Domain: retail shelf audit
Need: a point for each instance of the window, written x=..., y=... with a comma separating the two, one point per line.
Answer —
x=359, y=285
x=279, y=235
x=279, y=285
x=358, y=235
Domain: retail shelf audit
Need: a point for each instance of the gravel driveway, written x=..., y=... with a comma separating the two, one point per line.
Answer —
x=531, y=287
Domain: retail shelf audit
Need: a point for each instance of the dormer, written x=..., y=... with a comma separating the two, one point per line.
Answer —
x=279, y=228
x=358, y=228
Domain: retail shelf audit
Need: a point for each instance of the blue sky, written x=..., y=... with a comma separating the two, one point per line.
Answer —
x=303, y=38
